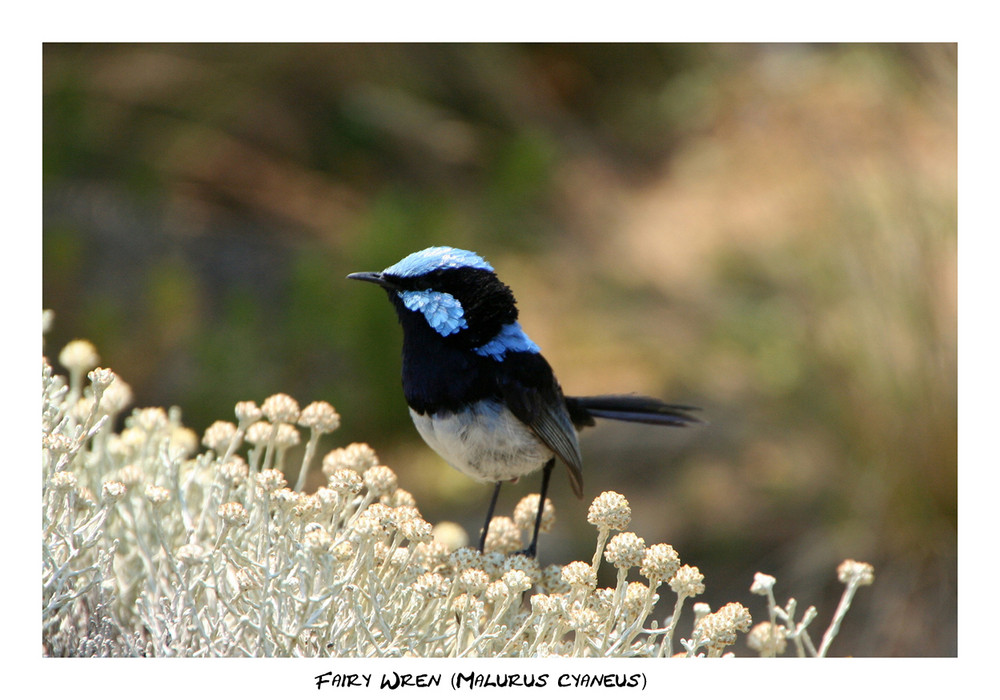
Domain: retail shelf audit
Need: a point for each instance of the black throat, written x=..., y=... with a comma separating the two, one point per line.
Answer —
x=440, y=373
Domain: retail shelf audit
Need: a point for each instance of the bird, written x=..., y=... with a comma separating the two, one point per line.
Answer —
x=479, y=390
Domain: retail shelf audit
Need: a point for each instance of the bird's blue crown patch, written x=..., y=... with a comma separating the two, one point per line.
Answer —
x=436, y=258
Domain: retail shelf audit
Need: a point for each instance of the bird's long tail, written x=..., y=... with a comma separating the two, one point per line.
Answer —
x=628, y=407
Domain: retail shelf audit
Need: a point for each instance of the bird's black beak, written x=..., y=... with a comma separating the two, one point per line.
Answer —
x=375, y=277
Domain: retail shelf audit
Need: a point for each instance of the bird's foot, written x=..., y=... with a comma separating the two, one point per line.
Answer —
x=531, y=551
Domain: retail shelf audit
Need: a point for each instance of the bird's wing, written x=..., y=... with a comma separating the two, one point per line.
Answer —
x=531, y=392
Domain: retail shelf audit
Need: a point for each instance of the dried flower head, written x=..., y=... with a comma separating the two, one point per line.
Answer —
x=625, y=550
x=320, y=417
x=474, y=581
x=416, y=530
x=464, y=558
x=100, y=379
x=430, y=585
x=112, y=491
x=357, y=456
x=286, y=436
x=285, y=499
x=259, y=433
x=343, y=552
x=329, y=497
x=768, y=639
x=763, y=584
x=157, y=495
x=700, y=609
x=385, y=515
x=280, y=408
x=580, y=573
x=345, y=481
x=659, y=563
x=585, y=620
x=634, y=601
x=247, y=412
x=234, y=470
x=468, y=606
x=316, y=539
x=399, y=497
x=63, y=482
x=79, y=356
x=234, y=514
x=719, y=629
x=687, y=582
x=526, y=512
x=519, y=560
x=503, y=536
x=58, y=443
x=380, y=480
x=183, y=442
x=271, y=480
x=219, y=435
x=449, y=535
x=517, y=581
x=542, y=604
x=610, y=510
x=307, y=507
x=857, y=573
x=496, y=591
x=398, y=516
x=493, y=563
x=150, y=420
x=602, y=600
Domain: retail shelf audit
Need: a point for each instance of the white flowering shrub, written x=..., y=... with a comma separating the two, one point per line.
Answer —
x=157, y=544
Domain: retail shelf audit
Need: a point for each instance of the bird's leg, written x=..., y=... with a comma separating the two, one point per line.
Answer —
x=489, y=517
x=546, y=473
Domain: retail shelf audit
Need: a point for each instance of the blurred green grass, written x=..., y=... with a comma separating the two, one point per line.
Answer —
x=767, y=231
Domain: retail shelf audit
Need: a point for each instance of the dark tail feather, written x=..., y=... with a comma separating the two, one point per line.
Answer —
x=631, y=408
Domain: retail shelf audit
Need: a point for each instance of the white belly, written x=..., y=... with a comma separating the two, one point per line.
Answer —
x=486, y=442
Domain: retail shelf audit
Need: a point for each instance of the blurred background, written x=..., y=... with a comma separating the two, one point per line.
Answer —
x=765, y=231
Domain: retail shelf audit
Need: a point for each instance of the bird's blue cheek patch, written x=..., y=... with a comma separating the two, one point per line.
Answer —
x=443, y=312
x=510, y=339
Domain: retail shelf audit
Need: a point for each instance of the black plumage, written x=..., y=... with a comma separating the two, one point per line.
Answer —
x=479, y=390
